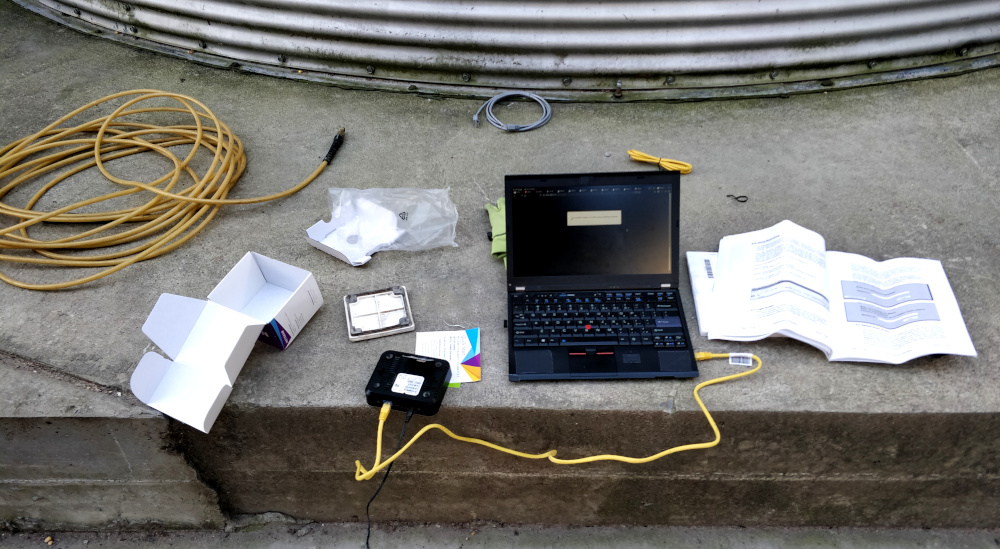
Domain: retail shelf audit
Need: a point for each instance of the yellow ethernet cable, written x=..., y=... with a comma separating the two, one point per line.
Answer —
x=365, y=474
x=665, y=163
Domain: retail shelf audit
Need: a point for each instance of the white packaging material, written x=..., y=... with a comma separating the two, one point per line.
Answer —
x=207, y=345
x=365, y=221
x=208, y=342
x=282, y=296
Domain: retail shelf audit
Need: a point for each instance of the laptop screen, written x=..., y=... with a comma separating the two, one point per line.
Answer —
x=593, y=227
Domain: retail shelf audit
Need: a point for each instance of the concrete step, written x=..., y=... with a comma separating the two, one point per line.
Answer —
x=771, y=469
x=891, y=171
x=257, y=534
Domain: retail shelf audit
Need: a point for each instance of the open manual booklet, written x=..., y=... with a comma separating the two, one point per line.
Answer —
x=781, y=280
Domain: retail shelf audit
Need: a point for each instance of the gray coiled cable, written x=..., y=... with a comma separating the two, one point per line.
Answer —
x=546, y=112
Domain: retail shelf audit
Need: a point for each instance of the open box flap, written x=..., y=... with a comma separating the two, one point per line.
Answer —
x=187, y=394
x=202, y=335
x=147, y=376
x=220, y=341
x=171, y=321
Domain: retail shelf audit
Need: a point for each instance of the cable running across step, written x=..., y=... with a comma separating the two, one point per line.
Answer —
x=180, y=203
x=361, y=473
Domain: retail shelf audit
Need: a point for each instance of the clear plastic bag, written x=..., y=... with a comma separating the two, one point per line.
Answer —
x=365, y=221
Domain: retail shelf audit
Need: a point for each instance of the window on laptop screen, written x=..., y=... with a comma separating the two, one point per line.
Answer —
x=588, y=230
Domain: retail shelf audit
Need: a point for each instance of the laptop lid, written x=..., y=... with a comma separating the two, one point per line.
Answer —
x=595, y=231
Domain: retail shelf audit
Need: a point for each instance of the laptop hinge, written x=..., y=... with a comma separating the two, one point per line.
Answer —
x=518, y=288
x=664, y=285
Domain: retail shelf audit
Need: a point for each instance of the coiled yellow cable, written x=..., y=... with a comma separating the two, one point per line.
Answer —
x=361, y=473
x=665, y=163
x=169, y=218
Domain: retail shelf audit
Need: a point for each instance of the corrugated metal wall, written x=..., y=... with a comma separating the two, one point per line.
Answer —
x=582, y=50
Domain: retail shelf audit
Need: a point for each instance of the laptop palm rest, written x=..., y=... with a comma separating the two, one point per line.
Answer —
x=534, y=361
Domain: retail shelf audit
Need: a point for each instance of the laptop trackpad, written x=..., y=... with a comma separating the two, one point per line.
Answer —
x=536, y=361
x=592, y=364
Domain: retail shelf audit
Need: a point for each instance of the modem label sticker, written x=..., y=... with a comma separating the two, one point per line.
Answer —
x=407, y=384
x=593, y=217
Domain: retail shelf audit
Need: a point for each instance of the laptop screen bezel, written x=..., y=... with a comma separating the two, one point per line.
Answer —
x=600, y=281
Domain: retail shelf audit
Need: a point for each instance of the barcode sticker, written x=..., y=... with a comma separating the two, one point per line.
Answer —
x=741, y=359
x=708, y=268
x=407, y=384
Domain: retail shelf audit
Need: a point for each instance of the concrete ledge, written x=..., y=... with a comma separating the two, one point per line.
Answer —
x=112, y=505
x=485, y=535
x=98, y=473
x=771, y=469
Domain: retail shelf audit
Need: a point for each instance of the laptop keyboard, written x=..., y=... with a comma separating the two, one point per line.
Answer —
x=597, y=318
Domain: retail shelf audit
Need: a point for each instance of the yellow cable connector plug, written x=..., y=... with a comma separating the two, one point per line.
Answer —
x=665, y=163
x=365, y=474
x=383, y=414
x=703, y=355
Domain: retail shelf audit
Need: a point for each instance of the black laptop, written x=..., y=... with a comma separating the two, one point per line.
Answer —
x=592, y=276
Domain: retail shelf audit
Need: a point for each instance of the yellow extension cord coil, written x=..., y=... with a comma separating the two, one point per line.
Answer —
x=365, y=474
x=172, y=215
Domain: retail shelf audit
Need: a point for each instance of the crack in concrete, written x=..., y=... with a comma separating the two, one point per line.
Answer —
x=131, y=474
x=18, y=362
x=983, y=172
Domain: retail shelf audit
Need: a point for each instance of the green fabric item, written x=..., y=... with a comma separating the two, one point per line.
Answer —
x=498, y=222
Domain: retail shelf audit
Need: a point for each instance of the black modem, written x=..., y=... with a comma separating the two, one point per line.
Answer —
x=410, y=382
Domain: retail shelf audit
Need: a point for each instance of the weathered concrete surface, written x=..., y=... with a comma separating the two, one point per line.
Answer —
x=295, y=534
x=68, y=472
x=805, y=469
x=74, y=453
x=903, y=170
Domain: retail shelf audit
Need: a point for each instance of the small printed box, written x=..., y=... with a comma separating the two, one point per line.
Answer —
x=208, y=342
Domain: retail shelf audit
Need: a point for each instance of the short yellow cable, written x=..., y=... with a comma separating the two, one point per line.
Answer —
x=665, y=163
x=171, y=215
x=365, y=474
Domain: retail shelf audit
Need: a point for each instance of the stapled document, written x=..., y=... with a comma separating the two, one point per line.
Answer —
x=782, y=281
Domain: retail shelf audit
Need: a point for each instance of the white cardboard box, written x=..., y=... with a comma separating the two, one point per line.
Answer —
x=208, y=342
x=280, y=295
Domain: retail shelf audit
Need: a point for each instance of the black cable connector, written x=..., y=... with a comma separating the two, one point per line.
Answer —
x=338, y=140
